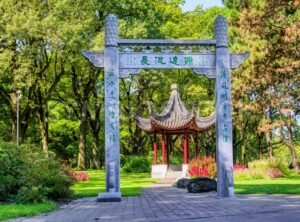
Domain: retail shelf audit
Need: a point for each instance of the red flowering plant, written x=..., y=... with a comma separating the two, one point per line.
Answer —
x=79, y=176
x=274, y=173
x=237, y=166
x=205, y=167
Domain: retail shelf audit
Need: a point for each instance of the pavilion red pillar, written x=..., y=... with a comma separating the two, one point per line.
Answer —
x=168, y=149
x=185, y=149
x=197, y=145
x=163, y=148
x=154, y=149
x=188, y=149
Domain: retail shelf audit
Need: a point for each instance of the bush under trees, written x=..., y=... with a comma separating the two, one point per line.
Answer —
x=135, y=164
x=261, y=169
x=27, y=176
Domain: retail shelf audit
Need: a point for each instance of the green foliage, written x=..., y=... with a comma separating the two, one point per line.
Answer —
x=249, y=174
x=31, y=194
x=136, y=164
x=176, y=159
x=27, y=176
x=41, y=43
x=268, y=164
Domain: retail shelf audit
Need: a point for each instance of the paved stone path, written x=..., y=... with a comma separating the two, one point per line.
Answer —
x=165, y=203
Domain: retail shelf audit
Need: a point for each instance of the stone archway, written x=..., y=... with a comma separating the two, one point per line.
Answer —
x=212, y=58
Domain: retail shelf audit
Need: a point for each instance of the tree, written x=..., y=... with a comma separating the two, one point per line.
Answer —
x=268, y=84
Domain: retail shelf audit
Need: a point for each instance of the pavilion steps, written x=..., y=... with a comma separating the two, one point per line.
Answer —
x=164, y=171
x=171, y=174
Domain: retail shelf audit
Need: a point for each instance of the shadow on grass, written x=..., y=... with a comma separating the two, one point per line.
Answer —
x=93, y=192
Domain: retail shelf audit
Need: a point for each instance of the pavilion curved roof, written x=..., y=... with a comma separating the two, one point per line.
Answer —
x=175, y=117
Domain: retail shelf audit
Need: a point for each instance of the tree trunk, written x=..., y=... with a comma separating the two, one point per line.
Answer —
x=243, y=152
x=95, y=159
x=82, y=162
x=290, y=144
x=260, y=145
x=269, y=143
x=42, y=114
x=234, y=148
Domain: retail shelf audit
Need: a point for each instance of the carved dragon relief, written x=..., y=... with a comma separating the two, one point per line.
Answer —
x=237, y=59
x=94, y=57
x=209, y=73
x=124, y=73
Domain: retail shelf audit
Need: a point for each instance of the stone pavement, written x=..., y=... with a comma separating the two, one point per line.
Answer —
x=165, y=203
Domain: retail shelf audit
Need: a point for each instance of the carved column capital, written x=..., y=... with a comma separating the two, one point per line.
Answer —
x=221, y=31
x=111, y=30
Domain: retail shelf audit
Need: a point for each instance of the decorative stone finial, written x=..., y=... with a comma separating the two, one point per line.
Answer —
x=221, y=31
x=111, y=30
x=174, y=87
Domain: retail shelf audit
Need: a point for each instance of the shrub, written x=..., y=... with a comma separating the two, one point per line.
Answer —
x=48, y=173
x=26, y=175
x=258, y=169
x=237, y=166
x=79, y=176
x=268, y=164
x=198, y=172
x=33, y=194
x=274, y=173
x=248, y=174
x=136, y=164
x=205, y=167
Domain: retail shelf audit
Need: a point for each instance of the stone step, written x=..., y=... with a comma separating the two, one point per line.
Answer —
x=173, y=174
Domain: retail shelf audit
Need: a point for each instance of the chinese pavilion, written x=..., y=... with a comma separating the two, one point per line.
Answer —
x=175, y=119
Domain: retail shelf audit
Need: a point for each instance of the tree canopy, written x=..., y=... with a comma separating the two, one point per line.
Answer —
x=62, y=108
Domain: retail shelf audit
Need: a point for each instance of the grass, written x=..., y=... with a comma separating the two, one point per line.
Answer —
x=131, y=184
x=287, y=185
x=21, y=210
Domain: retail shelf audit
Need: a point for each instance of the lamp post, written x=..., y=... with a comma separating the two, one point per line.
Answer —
x=19, y=96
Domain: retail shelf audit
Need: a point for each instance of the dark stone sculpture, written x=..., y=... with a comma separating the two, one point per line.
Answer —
x=201, y=184
x=182, y=183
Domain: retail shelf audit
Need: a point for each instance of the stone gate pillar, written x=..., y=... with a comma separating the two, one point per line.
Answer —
x=224, y=110
x=112, y=142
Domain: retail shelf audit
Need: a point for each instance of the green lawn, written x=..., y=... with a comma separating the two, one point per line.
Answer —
x=130, y=184
x=21, y=210
x=287, y=185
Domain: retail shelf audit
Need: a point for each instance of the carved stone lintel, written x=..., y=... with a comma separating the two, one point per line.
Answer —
x=209, y=73
x=124, y=73
x=237, y=59
x=94, y=57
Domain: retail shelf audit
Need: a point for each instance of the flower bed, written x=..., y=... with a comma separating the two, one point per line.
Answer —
x=79, y=176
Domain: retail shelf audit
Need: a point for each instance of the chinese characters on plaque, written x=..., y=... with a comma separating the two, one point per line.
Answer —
x=159, y=60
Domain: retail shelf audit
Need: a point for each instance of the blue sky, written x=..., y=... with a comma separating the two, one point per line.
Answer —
x=191, y=4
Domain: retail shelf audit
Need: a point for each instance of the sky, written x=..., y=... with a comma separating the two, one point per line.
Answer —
x=191, y=4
